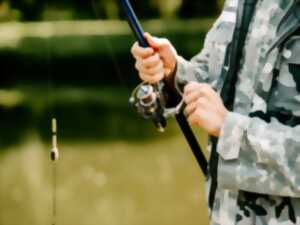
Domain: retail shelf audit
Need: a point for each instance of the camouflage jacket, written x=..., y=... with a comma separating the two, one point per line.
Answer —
x=259, y=146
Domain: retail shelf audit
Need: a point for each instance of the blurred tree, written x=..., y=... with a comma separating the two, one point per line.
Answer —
x=31, y=10
x=167, y=8
x=199, y=8
x=145, y=9
x=105, y=9
x=111, y=9
x=83, y=9
x=6, y=13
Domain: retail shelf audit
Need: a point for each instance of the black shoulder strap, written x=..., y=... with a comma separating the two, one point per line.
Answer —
x=232, y=62
x=245, y=14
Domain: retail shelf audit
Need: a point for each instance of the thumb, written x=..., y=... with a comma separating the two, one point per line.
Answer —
x=153, y=41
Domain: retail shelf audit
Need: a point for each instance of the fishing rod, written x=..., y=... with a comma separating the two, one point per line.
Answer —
x=150, y=100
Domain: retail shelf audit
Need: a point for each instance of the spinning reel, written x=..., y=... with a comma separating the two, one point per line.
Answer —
x=151, y=104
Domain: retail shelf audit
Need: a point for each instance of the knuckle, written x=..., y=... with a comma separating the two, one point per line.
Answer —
x=133, y=49
x=143, y=62
x=136, y=65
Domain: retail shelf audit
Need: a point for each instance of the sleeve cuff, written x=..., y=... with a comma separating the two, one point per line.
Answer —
x=182, y=70
x=231, y=135
x=188, y=71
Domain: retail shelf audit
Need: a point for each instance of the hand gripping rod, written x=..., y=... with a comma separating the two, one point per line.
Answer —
x=181, y=120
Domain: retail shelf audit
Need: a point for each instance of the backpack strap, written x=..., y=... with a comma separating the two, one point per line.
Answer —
x=234, y=53
x=288, y=25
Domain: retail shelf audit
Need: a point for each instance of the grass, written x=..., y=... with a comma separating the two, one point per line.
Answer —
x=108, y=183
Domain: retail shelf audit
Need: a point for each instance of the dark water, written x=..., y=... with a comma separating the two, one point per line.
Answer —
x=90, y=114
x=114, y=168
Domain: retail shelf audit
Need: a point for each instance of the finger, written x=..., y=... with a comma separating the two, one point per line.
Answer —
x=139, y=67
x=140, y=52
x=196, y=85
x=203, y=88
x=159, y=68
x=191, y=86
x=151, y=79
x=192, y=96
x=151, y=71
x=190, y=108
x=195, y=117
x=152, y=61
x=156, y=43
x=153, y=42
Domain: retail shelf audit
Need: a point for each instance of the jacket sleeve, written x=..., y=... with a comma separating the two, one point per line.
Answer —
x=194, y=70
x=207, y=65
x=260, y=157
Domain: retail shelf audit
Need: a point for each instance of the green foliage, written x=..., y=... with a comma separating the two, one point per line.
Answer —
x=84, y=53
x=30, y=9
x=35, y=10
x=71, y=62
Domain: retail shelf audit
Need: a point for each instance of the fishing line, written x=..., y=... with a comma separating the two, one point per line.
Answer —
x=111, y=53
x=50, y=87
x=54, y=149
x=54, y=157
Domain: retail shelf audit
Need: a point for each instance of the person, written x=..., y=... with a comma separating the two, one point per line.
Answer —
x=258, y=148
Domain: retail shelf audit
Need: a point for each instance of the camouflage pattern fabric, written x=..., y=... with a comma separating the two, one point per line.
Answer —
x=259, y=146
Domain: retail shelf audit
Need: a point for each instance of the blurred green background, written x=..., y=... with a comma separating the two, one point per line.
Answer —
x=71, y=60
